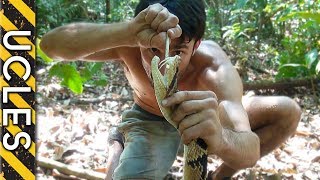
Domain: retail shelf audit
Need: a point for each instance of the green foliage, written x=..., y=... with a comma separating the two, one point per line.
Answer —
x=315, y=16
x=241, y=3
x=278, y=35
x=122, y=10
x=51, y=14
x=74, y=79
x=41, y=54
x=285, y=33
x=69, y=75
x=91, y=73
x=300, y=46
x=318, y=68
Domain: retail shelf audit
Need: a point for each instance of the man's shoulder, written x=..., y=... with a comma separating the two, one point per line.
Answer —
x=212, y=54
x=218, y=75
x=216, y=64
x=210, y=44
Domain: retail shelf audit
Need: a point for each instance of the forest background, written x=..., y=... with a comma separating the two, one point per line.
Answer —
x=274, y=45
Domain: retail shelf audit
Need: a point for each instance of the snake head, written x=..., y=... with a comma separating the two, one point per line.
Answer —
x=171, y=74
x=166, y=84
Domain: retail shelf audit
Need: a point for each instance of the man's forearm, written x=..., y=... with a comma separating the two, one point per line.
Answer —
x=239, y=149
x=77, y=40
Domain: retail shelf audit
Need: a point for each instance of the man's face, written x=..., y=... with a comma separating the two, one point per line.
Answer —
x=184, y=49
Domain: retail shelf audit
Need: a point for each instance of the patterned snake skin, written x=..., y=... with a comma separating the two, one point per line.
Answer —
x=195, y=153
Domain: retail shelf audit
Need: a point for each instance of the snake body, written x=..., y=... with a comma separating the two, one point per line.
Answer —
x=195, y=153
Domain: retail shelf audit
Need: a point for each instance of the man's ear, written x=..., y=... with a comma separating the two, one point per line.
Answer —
x=196, y=45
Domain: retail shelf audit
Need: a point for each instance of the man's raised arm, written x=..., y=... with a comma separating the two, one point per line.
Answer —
x=78, y=40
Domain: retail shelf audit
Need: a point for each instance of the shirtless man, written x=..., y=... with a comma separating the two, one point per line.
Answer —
x=209, y=101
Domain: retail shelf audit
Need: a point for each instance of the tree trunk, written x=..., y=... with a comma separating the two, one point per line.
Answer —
x=108, y=11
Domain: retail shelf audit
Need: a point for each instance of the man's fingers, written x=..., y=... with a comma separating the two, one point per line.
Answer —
x=182, y=96
x=190, y=120
x=161, y=20
x=193, y=106
x=155, y=22
x=175, y=32
x=158, y=40
x=152, y=12
x=169, y=23
x=162, y=16
x=194, y=132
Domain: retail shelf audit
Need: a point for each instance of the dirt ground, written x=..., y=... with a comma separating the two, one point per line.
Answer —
x=73, y=129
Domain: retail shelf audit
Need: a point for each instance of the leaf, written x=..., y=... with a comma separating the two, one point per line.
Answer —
x=228, y=33
x=303, y=15
x=101, y=82
x=310, y=15
x=241, y=3
x=41, y=53
x=85, y=74
x=316, y=159
x=96, y=67
x=311, y=56
x=69, y=75
x=292, y=65
x=318, y=67
x=90, y=69
x=292, y=70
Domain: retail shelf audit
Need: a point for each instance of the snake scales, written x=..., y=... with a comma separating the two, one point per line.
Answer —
x=195, y=153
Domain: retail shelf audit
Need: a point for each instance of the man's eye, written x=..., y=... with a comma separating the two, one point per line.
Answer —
x=154, y=50
x=177, y=52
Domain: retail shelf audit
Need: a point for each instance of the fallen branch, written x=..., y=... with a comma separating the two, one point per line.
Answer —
x=280, y=84
x=97, y=100
x=67, y=169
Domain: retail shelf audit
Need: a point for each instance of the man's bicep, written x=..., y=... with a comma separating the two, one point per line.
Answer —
x=224, y=82
x=233, y=116
x=230, y=103
x=231, y=84
x=227, y=85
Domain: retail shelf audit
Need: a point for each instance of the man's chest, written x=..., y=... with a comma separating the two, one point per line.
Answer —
x=142, y=84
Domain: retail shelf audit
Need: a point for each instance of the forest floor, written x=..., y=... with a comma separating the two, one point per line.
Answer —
x=73, y=129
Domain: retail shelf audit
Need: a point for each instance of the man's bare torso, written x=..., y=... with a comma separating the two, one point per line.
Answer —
x=192, y=79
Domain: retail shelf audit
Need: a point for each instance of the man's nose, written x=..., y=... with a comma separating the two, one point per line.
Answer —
x=161, y=54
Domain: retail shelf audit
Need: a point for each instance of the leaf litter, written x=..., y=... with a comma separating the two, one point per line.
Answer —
x=76, y=134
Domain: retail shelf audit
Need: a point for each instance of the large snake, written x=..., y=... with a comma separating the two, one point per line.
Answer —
x=195, y=153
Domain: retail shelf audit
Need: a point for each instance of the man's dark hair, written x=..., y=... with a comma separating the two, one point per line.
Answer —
x=191, y=14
